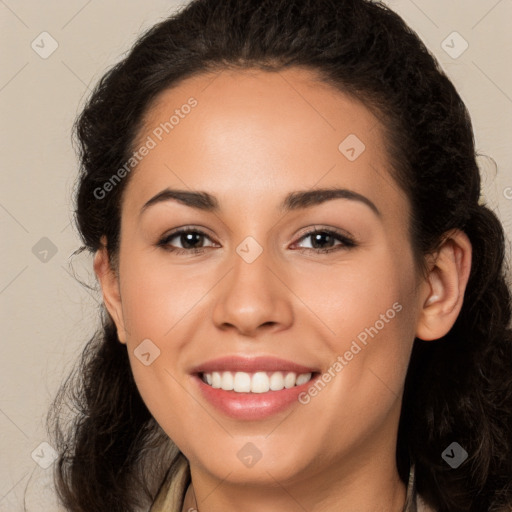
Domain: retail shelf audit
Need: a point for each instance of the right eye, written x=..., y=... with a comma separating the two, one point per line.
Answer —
x=189, y=240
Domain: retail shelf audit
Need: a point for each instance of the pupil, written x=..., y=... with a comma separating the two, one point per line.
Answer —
x=318, y=238
x=187, y=240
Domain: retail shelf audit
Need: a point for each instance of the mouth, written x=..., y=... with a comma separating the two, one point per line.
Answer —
x=256, y=382
x=252, y=389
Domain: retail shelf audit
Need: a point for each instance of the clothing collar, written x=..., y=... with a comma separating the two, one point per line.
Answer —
x=410, y=499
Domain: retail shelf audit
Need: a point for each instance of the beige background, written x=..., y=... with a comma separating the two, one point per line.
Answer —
x=46, y=314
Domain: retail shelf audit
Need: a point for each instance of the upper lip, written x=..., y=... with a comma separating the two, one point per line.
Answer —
x=236, y=363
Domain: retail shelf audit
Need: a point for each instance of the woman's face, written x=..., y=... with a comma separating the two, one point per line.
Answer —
x=259, y=147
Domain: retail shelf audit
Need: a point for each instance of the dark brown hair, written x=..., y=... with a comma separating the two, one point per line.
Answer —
x=113, y=454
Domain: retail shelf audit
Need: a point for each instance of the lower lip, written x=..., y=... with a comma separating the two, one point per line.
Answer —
x=252, y=406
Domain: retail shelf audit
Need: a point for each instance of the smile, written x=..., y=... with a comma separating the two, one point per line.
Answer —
x=251, y=388
x=257, y=382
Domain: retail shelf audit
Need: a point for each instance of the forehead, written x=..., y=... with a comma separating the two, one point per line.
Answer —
x=257, y=133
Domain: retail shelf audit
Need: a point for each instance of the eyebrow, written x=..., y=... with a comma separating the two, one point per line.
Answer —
x=293, y=201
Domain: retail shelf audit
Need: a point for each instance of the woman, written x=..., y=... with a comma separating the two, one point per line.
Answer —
x=305, y=301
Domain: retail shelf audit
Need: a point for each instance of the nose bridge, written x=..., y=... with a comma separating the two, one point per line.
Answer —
x=251, y=295
x=251, y=280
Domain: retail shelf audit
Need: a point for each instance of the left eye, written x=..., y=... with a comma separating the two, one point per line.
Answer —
x=192, y=240
x=319, y=239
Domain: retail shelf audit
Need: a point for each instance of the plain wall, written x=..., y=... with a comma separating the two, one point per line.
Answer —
x=47, y=316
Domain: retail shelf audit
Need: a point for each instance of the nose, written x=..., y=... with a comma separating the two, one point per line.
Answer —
x=253, y=298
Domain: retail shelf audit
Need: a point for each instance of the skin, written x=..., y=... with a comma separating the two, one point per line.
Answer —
x=254, y=137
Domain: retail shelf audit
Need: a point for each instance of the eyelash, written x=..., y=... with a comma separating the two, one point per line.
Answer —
x=346, y=242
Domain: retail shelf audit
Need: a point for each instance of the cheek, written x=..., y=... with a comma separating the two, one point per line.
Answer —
x=162, y=308
x=369, y=308
x=354, y=295
x=157, y=297
x=166, y=397
x=367, y=357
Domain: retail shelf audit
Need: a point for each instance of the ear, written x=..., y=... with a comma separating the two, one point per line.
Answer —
x=109, y=282
x=443, y=290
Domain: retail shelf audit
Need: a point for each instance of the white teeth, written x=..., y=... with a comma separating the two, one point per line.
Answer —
x=276, y=381
x=258, y=382
x=289, y=380
x=216, y=380
x=303, y=378
x=242, y=382
x=227, y=381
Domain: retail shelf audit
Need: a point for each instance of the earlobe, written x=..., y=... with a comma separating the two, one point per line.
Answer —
x=109, y=283
x=444, y=287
